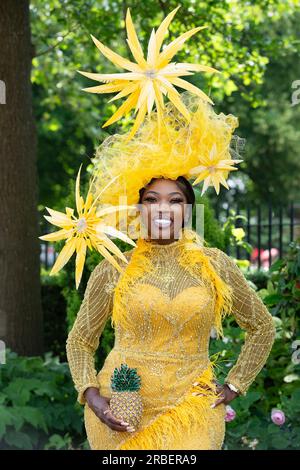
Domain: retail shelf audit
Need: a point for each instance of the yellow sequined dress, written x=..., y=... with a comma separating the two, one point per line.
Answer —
x=163, y=327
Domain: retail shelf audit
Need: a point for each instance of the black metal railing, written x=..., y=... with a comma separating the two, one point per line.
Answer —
x=268, y=230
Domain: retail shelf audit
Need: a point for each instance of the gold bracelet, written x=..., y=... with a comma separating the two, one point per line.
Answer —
x=232, y=387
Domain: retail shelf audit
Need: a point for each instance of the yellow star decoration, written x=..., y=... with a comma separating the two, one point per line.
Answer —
x=148, y=80
x=213, y=170
x=88, y=230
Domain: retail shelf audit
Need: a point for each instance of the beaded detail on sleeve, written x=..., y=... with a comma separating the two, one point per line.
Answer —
x=253, y=317
x=83, y=339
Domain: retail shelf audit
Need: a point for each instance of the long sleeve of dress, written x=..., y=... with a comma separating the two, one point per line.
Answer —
x=252, y=316
x=83, y=339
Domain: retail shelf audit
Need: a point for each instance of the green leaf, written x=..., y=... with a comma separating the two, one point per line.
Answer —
x=58, y=442
x=19, y=390
x=272, y=299
x=277, y=265
x=33, y=416
x=19, y=440
x=6, y=419
x=280, y=441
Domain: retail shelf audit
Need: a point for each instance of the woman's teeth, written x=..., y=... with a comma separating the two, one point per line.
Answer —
x=162, y=222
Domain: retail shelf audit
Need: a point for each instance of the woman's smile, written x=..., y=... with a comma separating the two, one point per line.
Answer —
x=163, y=222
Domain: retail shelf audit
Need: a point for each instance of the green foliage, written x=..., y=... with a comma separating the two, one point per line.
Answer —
x=212, y=232
x=276, y=390
x=54, y=315
x=259, y=278
x=125, y=379
x=277, y=385
x=235, y=236
x=282, y=295
x=38, y=408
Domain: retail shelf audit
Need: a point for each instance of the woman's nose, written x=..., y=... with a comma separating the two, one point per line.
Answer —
x=164, y=206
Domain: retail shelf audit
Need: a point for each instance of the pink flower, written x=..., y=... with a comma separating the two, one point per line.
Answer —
x=277, y=416
x=230, y=414
x=264, y=256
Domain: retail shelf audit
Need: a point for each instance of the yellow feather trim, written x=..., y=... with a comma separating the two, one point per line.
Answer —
x=137, y=266
x=193, y=258
x=178, y=419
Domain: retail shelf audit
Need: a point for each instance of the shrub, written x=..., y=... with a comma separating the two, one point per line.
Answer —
x=277, y=385
x=38, y=407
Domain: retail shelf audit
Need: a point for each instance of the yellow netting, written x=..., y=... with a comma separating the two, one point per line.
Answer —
x=166, y=146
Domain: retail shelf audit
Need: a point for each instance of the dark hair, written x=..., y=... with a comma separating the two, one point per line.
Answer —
x=183, y=184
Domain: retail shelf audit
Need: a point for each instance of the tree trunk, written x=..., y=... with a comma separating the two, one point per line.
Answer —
x=20, y=291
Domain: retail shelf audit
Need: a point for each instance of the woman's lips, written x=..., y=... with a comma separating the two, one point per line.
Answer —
x=162, y=223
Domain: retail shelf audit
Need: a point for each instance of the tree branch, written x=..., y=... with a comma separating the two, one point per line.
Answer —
x=38, y=54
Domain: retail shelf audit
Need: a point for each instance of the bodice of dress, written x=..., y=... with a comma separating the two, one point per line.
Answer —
x=169, y=314
x=170, y=311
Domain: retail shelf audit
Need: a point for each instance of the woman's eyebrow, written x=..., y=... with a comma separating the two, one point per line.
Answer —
x=170, y=194
x=174, y=192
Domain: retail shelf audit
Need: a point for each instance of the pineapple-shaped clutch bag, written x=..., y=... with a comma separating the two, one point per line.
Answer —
x=126, y=401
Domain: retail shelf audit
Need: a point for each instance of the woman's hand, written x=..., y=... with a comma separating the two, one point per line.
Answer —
x=100, y=406
x=227, y=395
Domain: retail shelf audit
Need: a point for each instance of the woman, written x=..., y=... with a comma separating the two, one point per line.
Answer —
x=171, y=294
x=172, y=290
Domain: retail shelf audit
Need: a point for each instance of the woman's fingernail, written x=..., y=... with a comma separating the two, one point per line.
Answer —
x=195, y=383
x=124, y=422
x=213, y=405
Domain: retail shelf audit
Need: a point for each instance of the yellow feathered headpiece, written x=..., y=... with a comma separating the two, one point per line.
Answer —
x=147, y=81
x=182, y=137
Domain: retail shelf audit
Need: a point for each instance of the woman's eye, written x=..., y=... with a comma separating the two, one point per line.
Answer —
x=151, y=199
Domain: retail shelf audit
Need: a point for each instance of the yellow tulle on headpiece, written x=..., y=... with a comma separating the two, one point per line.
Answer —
x=173, y=150
x=200, y=149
